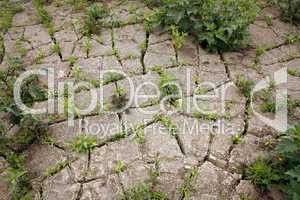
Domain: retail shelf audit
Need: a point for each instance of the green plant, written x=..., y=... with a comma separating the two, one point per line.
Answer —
x=44, y=16
x=18, y=182
x=201, y=91
x=52, y=170
x=93, y=16
x=143, y=191
x=258, y=53
x=202, y=19
x=290, y=10
x=7, y=10
x=119, y=98
x=236, y=139
x=87, y=46
x=294, y=72
x=72, y=60
x=167, y=86
x=283, y=167
x=39, y=57
x=268, y=19
x=268, y=106
x=245, y=85
x=119, y=167
x=83, y=143
x=261, y=174
x=178, y=38
x=187, y=186
x=139, y=136
x=20, y=47
x=112, y=77
x=167, y=123
x=55, y=48
x=206, y=116
x=292, y=38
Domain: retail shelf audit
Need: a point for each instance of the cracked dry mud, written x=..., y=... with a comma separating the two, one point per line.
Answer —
x=220, y=163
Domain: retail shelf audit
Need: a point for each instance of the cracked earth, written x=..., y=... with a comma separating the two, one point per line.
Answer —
x=219, y=161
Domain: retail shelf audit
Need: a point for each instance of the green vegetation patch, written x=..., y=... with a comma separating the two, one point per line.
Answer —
x=219, y=25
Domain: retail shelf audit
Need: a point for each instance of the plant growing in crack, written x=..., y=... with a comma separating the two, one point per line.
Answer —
x=291, y=38
x=167, y=123
x=72, y=60
x=168, y=87
x=39, y=57
x=87, y=46
x=112, y=77
x=52, y=170
x=143, y=191
x=269, y=20
x=119, y=167
x=48, y=140
x=93, y=16
x=7, y=11
x=76, y=73
x=206, y=116
x=294, y=72
x=187, y=186
x=21, y=50
x=119, y=98
x=261, y=174
x=178, y=38
x=18, y=182
x=44, y=16
x=83, y=143
x=245, y=85
x=139, y=136
x=236, y=139
x=55, y=48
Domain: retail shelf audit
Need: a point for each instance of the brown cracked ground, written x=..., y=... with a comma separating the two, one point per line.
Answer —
x=219, y=161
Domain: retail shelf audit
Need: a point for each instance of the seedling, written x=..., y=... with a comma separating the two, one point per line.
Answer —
x=83, y=143
x=76, y=73
x=294, y=72
x=167, y=123
x=261, y=175
x=7, y=10
x=72, y=60
x=268, y=106
x=87, y=46
x=119, y=167
x=115, y=51
x=168, y=88
x=39, y=57
x=139, y=136
x=18, y=182
x=56, y=49
x=113, y=77
x=258, y=53
x=187, y=186
x=178, y=37
x=292, y=38
x=236, y=139
x=119, y=98
x=206, y=116
x=143, y=46
x=93, y=17
x=48, y=140
x=269, y=20
x=201, y=91
x=20, y=47
x=245, y=85
x=52, y=170
x=143, y=191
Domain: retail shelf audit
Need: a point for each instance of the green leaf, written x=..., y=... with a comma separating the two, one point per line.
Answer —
x=295, y=173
